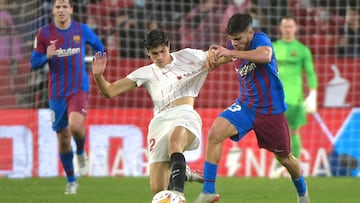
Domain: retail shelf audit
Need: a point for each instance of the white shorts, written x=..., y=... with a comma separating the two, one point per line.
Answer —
x=162, y=125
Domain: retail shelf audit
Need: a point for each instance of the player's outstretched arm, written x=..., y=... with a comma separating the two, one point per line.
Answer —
x=261, y=54
x=109, y=90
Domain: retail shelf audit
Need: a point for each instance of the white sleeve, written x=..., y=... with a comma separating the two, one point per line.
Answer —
x=200, y=54
x=138, y=76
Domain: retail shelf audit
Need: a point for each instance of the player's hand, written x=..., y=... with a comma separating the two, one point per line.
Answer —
x=219, y=51
x=310, y=102
x=211, y=63
x=51, y=49
x=98, y=63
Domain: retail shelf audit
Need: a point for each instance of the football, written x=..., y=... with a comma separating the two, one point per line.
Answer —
x=166, y=196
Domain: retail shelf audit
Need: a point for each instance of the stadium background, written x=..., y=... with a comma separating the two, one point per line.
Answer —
x=117, y=127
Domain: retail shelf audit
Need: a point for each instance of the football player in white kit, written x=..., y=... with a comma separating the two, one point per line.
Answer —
x=173, y=81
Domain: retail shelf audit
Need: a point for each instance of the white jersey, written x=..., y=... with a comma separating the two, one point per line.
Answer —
x=183, y=77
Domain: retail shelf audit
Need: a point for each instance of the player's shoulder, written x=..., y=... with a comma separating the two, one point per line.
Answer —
x=47, y=27
x=82, y=26
x=259, y=34
x=188, y=52
x=146, y=68
x=302, y=45
x=45, y=30
x=261, y=37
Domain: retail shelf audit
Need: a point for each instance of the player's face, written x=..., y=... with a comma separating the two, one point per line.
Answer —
x=160, y=55
x=62, y=11
x=241, y=41
x=288, y=29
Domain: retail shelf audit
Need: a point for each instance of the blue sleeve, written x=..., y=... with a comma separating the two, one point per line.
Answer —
x=260, y=39
x=37, y=60
x=92, y=39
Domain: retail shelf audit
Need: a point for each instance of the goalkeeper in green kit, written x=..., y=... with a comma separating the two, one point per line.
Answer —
x=295, y=61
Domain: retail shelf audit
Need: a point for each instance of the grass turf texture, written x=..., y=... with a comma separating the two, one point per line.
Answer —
x=136, y=190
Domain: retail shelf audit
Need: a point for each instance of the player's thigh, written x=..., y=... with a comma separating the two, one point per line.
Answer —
x=159, y=176
x=234, y=122
x=180, y=139
x=58, y=114
x=221, y=129
x=158, y=139
x=187, y=128
x=272, y=132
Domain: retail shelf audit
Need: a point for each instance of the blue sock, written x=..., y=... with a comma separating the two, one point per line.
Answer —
x=210, y=171
x=80, y=142
x=300, y=185
x=67, y=162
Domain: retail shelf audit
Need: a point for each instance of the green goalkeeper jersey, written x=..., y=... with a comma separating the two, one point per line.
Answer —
x=294, y=59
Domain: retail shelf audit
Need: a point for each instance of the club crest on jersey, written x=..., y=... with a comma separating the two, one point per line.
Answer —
x=76, y=38
x=246, y=69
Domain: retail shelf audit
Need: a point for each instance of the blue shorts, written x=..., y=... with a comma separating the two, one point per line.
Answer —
x=271, y=130
x=60, y=109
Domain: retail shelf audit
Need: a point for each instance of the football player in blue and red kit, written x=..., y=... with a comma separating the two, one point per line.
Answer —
x=61, y=44
x=259, y=107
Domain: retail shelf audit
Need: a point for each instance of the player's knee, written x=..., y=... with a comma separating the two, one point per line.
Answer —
x=64, y=144
x=214, y=135
x=283, y=159
x=76, y=130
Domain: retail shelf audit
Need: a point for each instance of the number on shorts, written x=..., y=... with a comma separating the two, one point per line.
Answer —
x=234, y=107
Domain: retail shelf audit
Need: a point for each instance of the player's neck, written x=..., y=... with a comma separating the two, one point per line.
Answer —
x=63, y=25
x=288, y=39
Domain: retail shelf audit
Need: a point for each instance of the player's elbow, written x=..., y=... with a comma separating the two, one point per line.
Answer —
x=107, y=94
x=266, y=54
x=267, y=58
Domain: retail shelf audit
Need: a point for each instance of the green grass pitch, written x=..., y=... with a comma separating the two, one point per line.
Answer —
x=136, y=190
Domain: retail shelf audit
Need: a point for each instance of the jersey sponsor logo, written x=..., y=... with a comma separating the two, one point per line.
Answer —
x=190, y=73
x=67, y=52
x=246, y=69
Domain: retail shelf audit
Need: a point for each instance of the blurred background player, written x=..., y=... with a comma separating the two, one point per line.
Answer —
x=294, y=60
x=62, y=45
x=260, y=106
x=173, y=81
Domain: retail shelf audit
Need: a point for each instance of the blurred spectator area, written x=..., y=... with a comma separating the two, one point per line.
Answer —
x=122, y=24
x=319, y=23
x=102, y=14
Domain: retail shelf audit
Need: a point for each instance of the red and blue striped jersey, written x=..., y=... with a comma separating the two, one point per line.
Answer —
x=259, y=84
x=67, y=73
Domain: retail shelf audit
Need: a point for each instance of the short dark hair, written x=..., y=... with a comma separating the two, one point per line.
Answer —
x=238, y=23
x=155, y=38
x=70, y=2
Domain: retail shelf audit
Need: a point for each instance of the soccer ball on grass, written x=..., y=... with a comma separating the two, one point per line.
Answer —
x=166, y=196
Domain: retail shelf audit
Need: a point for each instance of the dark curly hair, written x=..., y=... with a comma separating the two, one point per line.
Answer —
x=155, y=38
